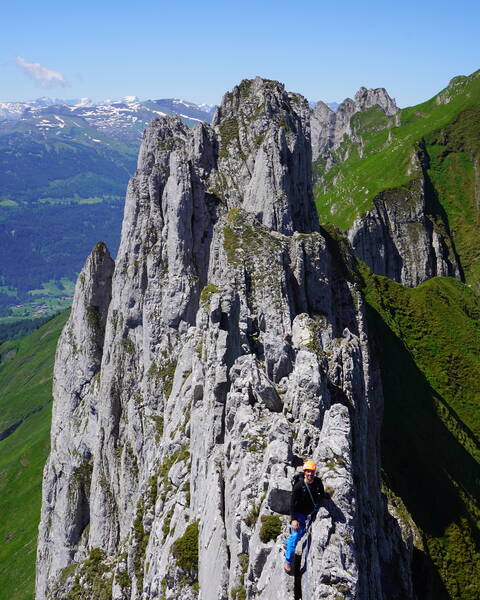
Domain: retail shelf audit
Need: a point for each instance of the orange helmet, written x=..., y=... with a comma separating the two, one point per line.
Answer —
x=309, y=465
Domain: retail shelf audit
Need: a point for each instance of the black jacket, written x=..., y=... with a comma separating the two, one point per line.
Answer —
x=301, y=502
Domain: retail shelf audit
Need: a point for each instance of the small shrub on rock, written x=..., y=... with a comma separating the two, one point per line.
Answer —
x=271, y=528
x=185, y=549
x=251, y=518
x=238, y=593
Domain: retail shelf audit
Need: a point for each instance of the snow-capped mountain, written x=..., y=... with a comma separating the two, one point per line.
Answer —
x=125, y=118
x=102, y=138
x=11, y=111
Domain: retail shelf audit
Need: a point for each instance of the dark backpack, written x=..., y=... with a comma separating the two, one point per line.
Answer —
x=296, y=478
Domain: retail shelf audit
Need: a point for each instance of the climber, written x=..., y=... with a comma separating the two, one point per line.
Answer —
x=308, y=496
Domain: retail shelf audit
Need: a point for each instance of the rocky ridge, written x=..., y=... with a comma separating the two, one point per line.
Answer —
x=227, y=344
x=405, y=237
x=331, y=128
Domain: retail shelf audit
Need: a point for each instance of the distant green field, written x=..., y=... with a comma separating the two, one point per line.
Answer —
x=64, y=287
x=26, y=367
x=43, y=247
x=36, y=306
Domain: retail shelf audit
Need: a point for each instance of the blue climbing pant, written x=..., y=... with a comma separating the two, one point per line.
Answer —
x=295, y=536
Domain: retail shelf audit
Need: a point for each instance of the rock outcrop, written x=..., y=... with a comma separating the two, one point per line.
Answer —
x=232, y=347
x=405, y=237
x=330, y=129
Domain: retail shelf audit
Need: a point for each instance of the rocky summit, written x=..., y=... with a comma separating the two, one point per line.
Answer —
x=227, y=343
x=329, y=128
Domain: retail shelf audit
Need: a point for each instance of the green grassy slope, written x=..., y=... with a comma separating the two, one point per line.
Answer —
x=453, y=153
x=25, y=399
x=428, y=345
x=384, y=159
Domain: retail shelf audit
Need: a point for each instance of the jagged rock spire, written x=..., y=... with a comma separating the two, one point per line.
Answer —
x=375, y=97
x=329, y=128
x=265, y=154
x=67, y=475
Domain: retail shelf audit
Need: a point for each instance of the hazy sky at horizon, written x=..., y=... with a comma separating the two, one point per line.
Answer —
x=198, y=51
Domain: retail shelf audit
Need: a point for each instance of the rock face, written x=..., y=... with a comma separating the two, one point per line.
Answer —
x=227, y=347
x=405, y=237
x=330, y=129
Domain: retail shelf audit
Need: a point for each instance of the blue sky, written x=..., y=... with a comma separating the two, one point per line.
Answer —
x=197, y=51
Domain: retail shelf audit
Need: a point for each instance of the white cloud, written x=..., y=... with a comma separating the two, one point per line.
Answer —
x=47, y=78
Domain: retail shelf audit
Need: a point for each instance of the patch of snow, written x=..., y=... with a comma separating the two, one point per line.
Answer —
x=183, y=103
x=206, y=107
x=191, y=118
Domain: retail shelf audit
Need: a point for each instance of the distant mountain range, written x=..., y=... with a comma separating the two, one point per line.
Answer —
x=64, y=169
x=129, y=105
x=57, y=150
x=123, y=120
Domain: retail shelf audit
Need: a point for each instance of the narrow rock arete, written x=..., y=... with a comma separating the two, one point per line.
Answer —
x=226, y=343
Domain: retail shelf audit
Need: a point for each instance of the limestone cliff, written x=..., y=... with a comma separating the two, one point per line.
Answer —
x=229, y=344
x=405, y=237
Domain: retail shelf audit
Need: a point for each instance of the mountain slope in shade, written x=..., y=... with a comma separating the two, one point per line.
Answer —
x=428, y=342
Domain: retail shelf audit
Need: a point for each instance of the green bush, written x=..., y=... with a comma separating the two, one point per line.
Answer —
x=91, y=573
x=271, y=528
x=207, y=293
x=185, y=549
x=252, y=517
x=238, y=593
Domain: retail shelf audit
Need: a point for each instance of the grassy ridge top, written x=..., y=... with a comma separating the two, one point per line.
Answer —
x=385, y=158
x=26, y=367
